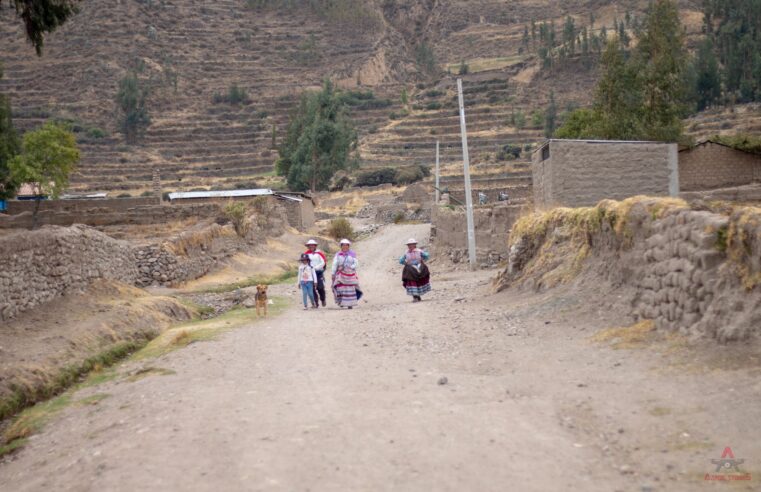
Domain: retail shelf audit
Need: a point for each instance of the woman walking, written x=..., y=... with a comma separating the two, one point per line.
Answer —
x=415, y=277
x=344, y=279
x=307, y=280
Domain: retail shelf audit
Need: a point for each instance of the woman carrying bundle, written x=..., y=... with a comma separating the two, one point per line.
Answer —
x=415, y=277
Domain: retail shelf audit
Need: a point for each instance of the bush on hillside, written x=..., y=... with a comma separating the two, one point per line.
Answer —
x=341, y=228
x=376, y=177
x=410, y=174
x=236, y=212
x=235, y=95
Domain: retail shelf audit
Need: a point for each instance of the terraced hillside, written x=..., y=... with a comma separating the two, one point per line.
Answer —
x=188, y=51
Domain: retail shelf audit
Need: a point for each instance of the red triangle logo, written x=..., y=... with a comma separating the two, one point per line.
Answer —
x=728, y=453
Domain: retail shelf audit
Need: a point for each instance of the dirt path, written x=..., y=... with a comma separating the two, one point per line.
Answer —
x=351, y=400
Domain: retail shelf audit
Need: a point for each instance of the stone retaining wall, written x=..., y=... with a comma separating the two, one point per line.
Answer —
x=141, y=215
x=492, y=228
x=41, y=265
x=697, y=272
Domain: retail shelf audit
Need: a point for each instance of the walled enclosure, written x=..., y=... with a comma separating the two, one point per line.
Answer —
x=492, y=228
x=575, y=173
x=711, y=165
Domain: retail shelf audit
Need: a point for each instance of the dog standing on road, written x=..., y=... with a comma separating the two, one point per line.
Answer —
x=261, y=299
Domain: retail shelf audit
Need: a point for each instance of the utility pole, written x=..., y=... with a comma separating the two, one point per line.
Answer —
x=466, y=172
x=438, y=197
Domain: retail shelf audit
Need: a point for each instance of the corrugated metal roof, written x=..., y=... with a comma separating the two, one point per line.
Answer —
x=186, y=195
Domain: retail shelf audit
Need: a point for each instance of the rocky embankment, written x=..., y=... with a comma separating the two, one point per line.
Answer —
x=695, y=271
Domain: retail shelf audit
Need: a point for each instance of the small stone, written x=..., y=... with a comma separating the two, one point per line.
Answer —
x=443, y=380
x=625, y=470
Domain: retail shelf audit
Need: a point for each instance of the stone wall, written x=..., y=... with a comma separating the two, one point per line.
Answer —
x=492, y=226
x=573, y=173
x=711, y=165
x=696, y=272
x=38, y=266
x=187, y=256
x=141, y=215
x=115, y=204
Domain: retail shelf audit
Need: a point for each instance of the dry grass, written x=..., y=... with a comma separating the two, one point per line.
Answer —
x=200, y=330
x=743, y=242
x=476, y=65
x=637, y=335
x=188, y=241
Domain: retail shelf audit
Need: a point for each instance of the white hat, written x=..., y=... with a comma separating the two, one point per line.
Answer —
x=344, y=241
x=411, y=241
x=311, y=242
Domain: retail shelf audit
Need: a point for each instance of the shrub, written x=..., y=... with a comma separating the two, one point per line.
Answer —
x=433, y=93
x=509, y=152
x=236, y=212
x=146, y=193
x=341, y=228
x=376, y=177
x=261, y=205
x=95, y=132
x=235, y=95
x=399, y=217
x=123, y=195
x=433, y=105
x=464, y=68
x=411, y=174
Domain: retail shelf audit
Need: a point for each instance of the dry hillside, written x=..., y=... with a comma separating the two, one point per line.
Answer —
x=190, y=50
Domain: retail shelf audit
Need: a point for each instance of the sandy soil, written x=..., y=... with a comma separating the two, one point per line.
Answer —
x=352, y=400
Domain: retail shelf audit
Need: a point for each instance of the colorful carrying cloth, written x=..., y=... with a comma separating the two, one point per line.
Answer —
x=416, y=277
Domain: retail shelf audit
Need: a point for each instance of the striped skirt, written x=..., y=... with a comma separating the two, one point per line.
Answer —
x=345, y=289
x=417, y=288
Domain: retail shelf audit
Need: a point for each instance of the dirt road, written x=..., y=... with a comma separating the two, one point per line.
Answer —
x=351, y=400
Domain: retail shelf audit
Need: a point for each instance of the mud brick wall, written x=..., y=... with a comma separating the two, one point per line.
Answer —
x=712, y=165
x=492, y=228
x=575, y=173
x=39, y=266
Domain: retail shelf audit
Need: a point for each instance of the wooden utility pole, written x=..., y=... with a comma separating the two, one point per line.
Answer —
x=466, y=172
x=438, y=195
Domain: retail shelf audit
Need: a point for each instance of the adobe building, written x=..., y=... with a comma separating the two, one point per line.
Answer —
x=711, y=165
x=579, y=173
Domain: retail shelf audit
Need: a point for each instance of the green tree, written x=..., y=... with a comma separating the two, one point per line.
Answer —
x=48, y=156
x=41, y=17
x=580, y=123
x=131, y=98
x=707, y=76
x=425, y=59
x=550, y=117
x=734, y=26
x=618, y=97
x=9, y=147
x=320, y=141
x=661, y=63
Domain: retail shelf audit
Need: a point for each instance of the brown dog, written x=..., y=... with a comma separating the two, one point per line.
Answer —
x=261, y=299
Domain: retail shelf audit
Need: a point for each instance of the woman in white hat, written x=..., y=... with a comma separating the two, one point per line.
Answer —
x=318, y=261
x=416, y=277
x=345, y=282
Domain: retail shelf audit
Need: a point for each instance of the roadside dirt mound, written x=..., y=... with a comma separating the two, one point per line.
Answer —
x=694, y=271
x=44, y=350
